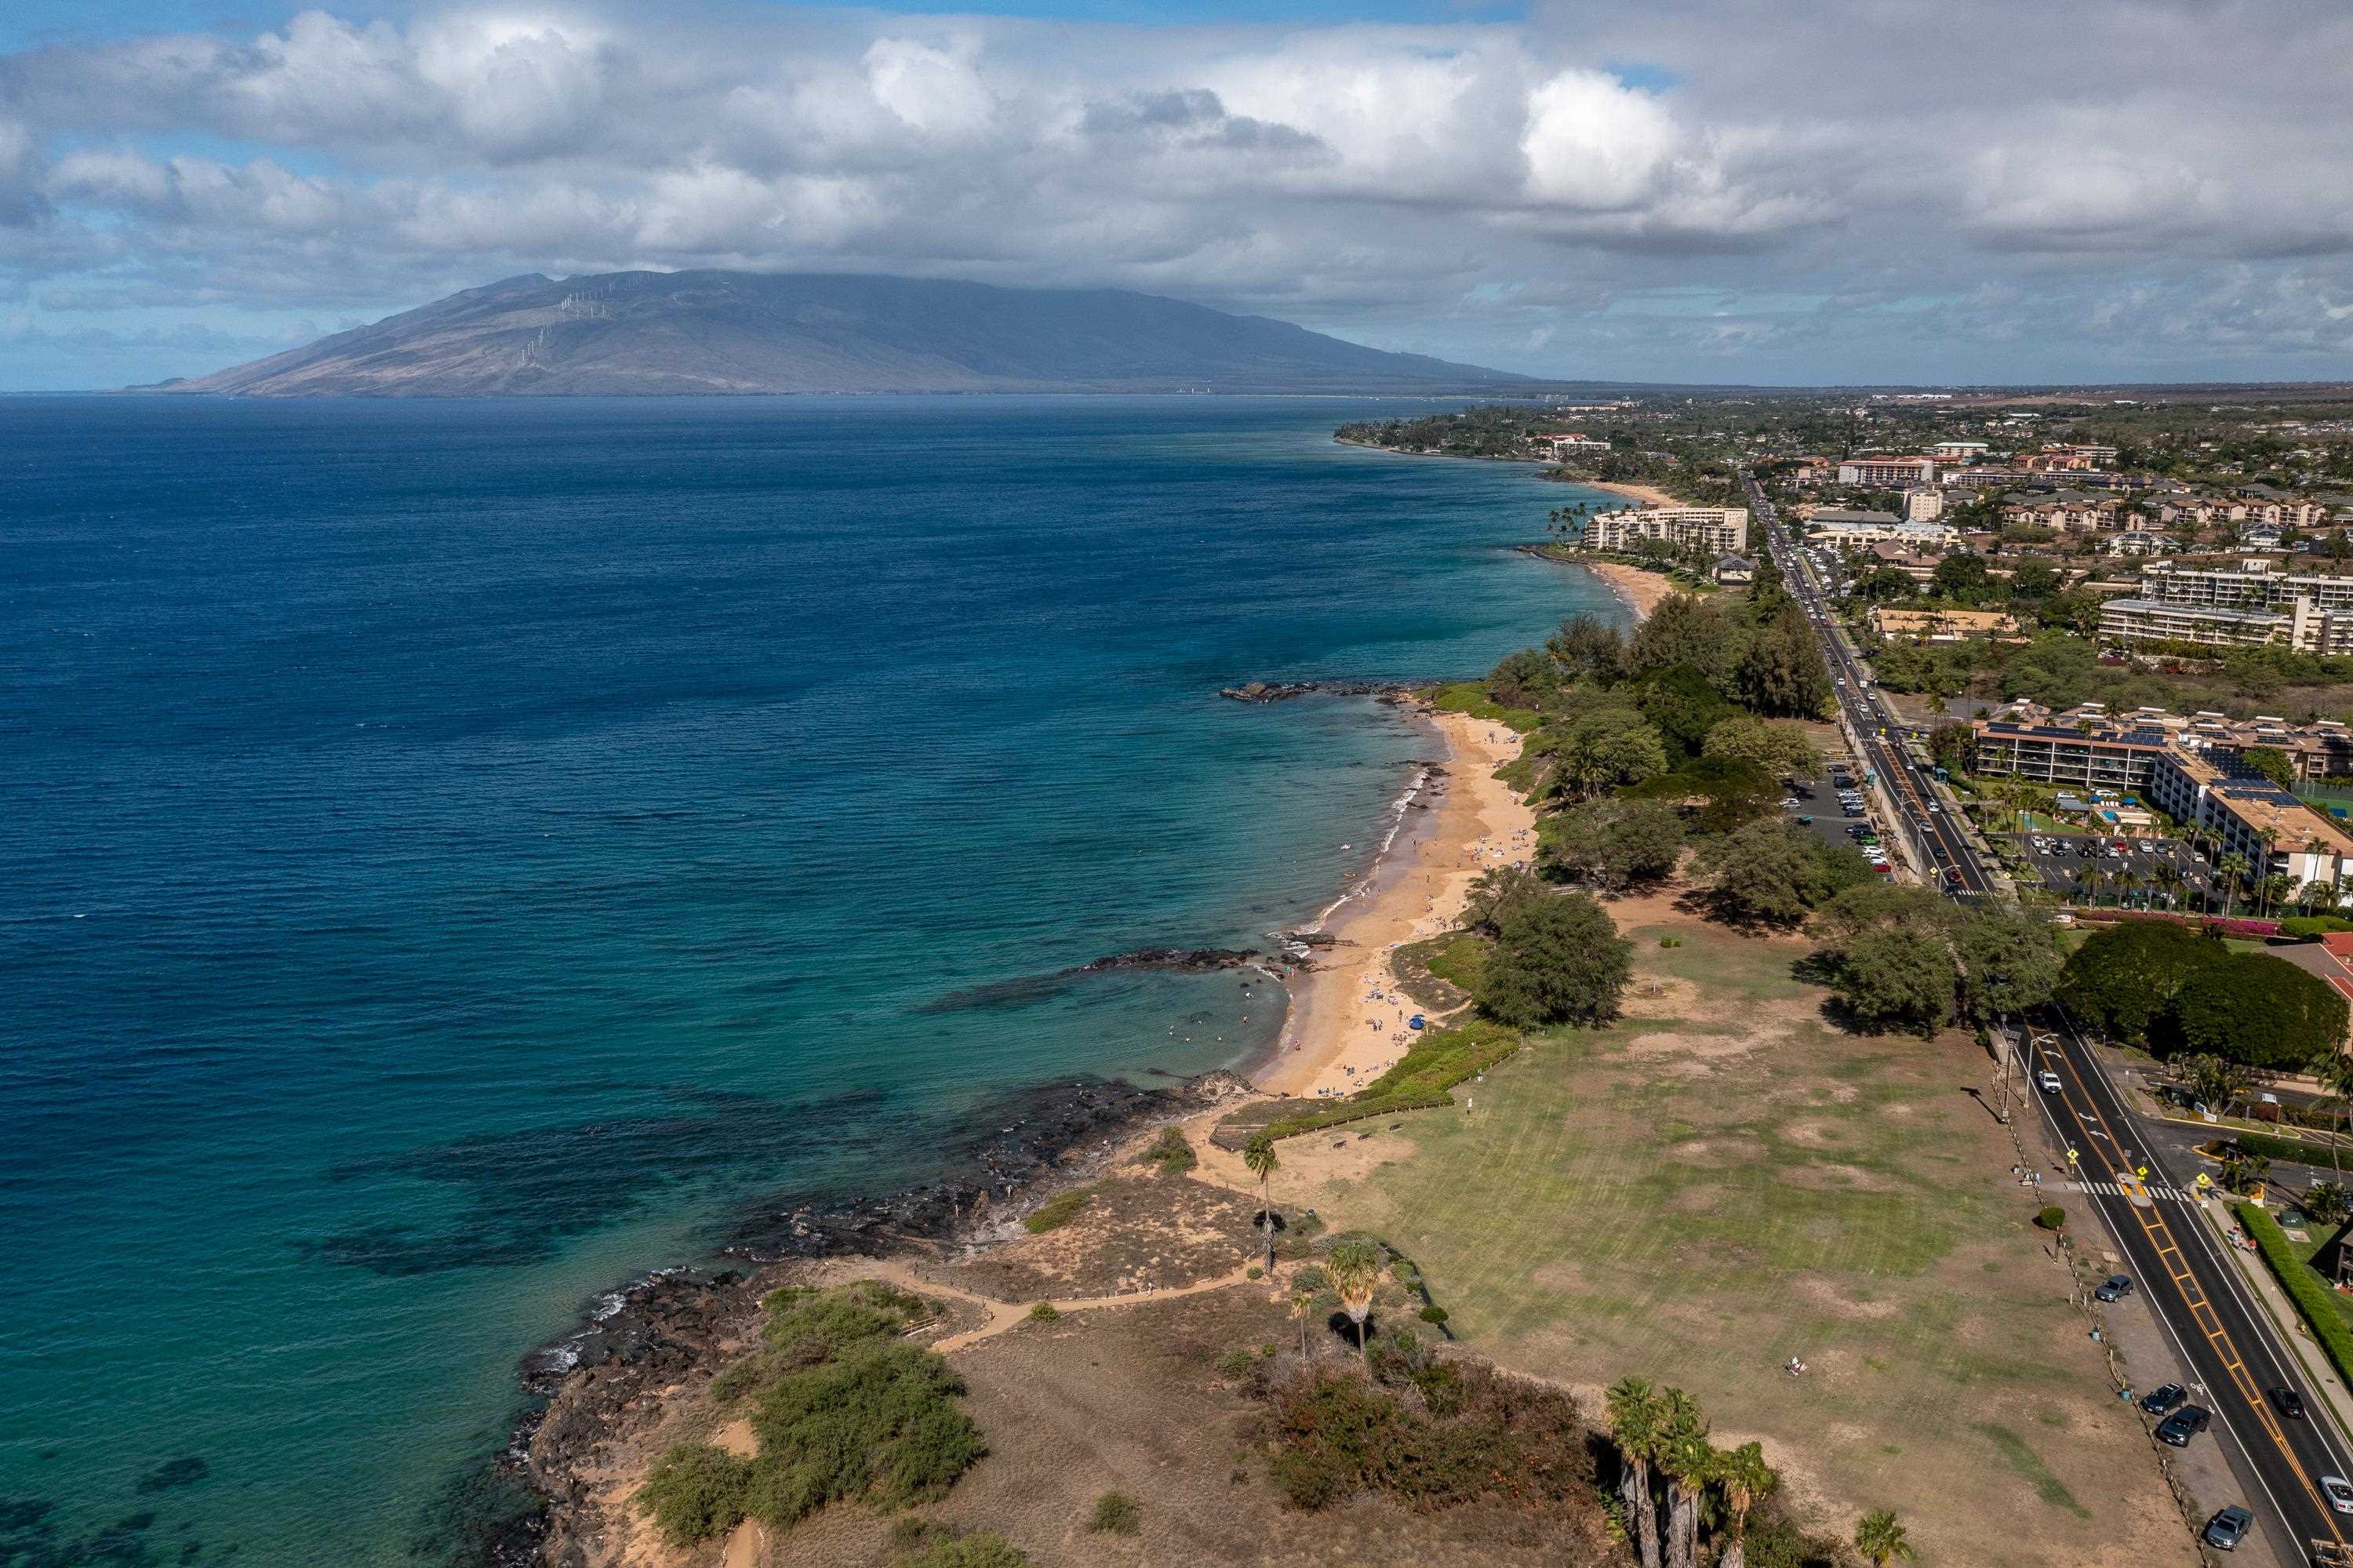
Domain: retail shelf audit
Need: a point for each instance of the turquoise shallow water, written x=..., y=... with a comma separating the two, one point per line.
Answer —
x=454, y=856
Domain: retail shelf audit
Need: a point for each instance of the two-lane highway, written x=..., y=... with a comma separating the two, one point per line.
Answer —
x=2231, y=1348
x=2219, y=1330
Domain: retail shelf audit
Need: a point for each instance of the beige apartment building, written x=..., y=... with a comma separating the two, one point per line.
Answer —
x=1720, y=530
x=2249, y=605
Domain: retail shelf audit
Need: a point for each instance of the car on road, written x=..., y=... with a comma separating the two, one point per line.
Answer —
x=2189, y=1421
x=1953, y=874
x=2338, y=1493
x=1805, y=821
x=2114, y=1288
x=2287, y=1402
x=2163, y=1398
x=2228, y=1528
x=2047, y=1081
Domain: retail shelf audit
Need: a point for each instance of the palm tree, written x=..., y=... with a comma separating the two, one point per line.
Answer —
x=1259, y=1155
x=1688, y=1459
x=1303, y=1307
x=1637, y=1423
x=1355, y=1269
x=1882, y=1539
x=2233, y=867
x=2275, y=892
x=1745, y=1476
x=2335, y=1071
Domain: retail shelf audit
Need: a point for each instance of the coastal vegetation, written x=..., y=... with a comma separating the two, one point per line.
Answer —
x=2186, y=994
x=840, y=1409
x=1056, y=1211
x=1172, y=1151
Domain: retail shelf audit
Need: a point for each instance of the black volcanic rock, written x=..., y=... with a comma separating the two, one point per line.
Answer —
x=673, y=332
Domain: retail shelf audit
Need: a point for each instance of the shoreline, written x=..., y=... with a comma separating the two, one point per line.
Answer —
x=1346, y=1021
x=1639, y=590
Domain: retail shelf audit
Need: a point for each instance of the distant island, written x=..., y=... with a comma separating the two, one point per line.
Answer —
x=666, y=334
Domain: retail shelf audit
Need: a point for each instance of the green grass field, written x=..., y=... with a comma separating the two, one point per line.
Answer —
x=1724, y=1182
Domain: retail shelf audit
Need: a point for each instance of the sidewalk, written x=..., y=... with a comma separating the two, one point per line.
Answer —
x=2334, y=1397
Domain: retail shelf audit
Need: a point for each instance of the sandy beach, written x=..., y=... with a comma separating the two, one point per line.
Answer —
x=1642, y=590
x=1647, y=494
x=1347, y=1019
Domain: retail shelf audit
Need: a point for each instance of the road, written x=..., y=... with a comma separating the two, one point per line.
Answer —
x=2231, y=1349
x=1951, y=862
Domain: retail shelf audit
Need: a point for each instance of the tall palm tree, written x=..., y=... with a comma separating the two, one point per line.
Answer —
x=1637, y=1422
x=1355, y=1269
x=1882, y=1539
x=1745, y=1477
x=1688, y=1459
x=1302, y=1306
x=2233, y=867
x=1259, y=1155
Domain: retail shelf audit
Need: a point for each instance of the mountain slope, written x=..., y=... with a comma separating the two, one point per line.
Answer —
x=668, y=332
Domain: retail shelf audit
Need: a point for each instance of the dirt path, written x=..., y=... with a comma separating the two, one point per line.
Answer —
x=1004, y=1315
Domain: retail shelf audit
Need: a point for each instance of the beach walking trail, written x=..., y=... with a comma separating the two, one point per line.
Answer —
x=1348, y=1018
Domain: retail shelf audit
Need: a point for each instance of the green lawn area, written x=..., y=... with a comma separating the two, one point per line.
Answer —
x=1722, y=1181
x=2305, y=1252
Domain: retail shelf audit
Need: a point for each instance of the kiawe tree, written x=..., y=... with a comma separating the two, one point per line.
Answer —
x=1557, y=960
x=1611, y=843
x=1780, y=749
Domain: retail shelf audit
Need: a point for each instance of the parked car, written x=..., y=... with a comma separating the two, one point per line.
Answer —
x=2228, y=1528
x=2114, y=1288
x=2189, y=1421
x=2287, y=1402
x=2163, y=1398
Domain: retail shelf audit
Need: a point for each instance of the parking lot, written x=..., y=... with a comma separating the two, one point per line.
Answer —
x=2086, y=866
x=1820, y=802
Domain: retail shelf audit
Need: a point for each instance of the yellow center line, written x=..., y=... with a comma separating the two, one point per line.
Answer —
x=2153, y=1226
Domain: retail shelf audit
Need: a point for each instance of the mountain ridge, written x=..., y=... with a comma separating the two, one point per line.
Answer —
x=722, y=333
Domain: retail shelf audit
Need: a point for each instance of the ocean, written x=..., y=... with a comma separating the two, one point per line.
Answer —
x=457, y=856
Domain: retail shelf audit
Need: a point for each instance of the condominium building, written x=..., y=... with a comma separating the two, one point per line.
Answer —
x=1893, y=472
x=2194, y=768
x=2247, y=605
x=1721, y=530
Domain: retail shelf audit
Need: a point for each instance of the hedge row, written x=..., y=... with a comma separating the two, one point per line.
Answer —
x=2295, y=1148
x=2304, y=1287
x=2232, y=926
x=1434, y=1063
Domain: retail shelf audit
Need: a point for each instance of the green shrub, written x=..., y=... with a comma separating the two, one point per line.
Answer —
x=694, y=1491
x=2265, y=1146
x=1471, y=697
x=1116, y=1513
x=1671, y=941
x=982, y=1549
x=1478, y=1435
x=1172, y=1152
x=843, y=1411
x=1254, y=1272
x=1045, y=1312
x=1058, y=1211
x=2052, y=1217
x=806, y=1325
x=2314, y=925
x=2304, y=1286
x=1236, y=1364
x=1433, y=1313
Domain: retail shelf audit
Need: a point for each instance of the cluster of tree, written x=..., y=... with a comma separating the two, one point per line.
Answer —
x=1776, y=873
x=1674, y=1483
x=2060, y=666
x=2183, y=994
x=1554, y=956
x=1489, y=430
x=1903, y=958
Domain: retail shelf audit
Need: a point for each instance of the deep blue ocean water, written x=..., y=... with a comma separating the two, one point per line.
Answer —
x=455, y=856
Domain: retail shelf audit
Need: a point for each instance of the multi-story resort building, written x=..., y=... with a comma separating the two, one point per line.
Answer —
x=1891, y=472
x=2247, y=605
x=1719, y=530
x=2195, y=769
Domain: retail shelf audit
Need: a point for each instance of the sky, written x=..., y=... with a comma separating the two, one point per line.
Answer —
x=1725, y=191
